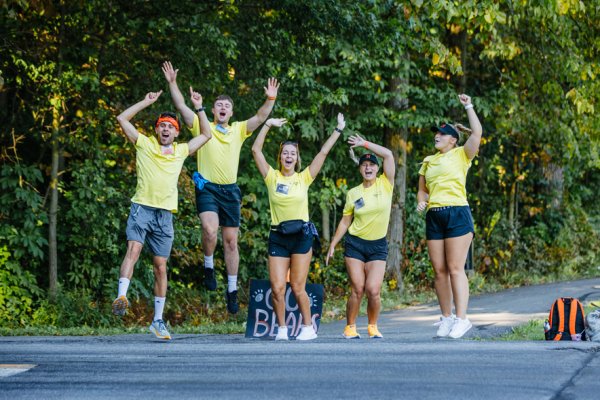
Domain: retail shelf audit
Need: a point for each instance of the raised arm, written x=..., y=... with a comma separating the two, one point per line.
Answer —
x=317, y=162
x=125, y=117
x=184, y=110
x=200, y=111
x=339, y=234
x=263, y=112
x=422, y=195
x=389, y=165
x=472, y=144
x=257, y=153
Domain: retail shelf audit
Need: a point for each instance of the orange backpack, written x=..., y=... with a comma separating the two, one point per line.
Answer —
x=565, y=310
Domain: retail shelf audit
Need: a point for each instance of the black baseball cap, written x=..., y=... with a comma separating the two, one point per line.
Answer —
x=368, y=157
x=446, y=129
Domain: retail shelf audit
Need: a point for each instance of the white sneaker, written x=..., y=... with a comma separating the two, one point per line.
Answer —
x=460, y=327
x=282, y=333
x=307, y=333
x=445, y=325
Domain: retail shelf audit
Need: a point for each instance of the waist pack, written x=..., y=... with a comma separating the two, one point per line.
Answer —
x=290, y=227
x=566, y=320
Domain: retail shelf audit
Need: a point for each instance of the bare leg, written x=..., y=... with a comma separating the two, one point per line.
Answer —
x=457, y=249
x=160, y=276
x=131, y=257
x=278, y=270
x=375, y=270
x=300, y=264
x=443, y=289
x=230, y=244
x=210, y=228
x=356, y=273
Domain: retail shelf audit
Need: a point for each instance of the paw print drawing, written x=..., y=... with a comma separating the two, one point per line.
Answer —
x=258, y=295
x=312, y=299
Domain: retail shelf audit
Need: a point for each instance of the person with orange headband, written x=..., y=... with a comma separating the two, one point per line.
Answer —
x=158, y=163
x=219, y=200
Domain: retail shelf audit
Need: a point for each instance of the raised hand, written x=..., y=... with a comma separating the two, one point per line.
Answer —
x=356, y=141
x=196, y=99
x=272, y=88
x=464, y=99
x=341, y=123
x=151, y=97
x=275, y=122
x=170, y=73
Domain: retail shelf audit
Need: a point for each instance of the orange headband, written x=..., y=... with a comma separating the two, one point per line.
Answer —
x=171, y=120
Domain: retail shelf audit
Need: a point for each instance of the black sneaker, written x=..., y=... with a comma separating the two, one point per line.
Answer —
x=209, y=279
x=232, y=303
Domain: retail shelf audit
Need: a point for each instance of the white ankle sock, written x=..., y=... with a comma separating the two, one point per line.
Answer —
x=123, y=286
x=231, y=283
x=208, y=262
x=159, y=306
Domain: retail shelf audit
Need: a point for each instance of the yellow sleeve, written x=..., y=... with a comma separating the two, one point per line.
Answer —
x=305, y=176
x=271, y=177
x=243, y=129
x=424, y=164
x=196, y=126
x=349, y=206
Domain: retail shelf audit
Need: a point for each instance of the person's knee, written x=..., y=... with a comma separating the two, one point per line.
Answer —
x=358, y=291
x=298, y=288
x=278, y=292
x=373, y=292
x=209, y=233
x=230, y=244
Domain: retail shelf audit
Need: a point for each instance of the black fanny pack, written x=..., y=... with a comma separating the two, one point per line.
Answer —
x=290, y=227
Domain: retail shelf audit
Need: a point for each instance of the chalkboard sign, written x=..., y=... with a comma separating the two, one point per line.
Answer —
x=262, y=322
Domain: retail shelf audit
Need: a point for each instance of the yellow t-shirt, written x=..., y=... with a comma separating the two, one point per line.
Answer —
x=288, y=195
x=157, y=173
x=371, y=209
x=446, y=177
x=219, y=158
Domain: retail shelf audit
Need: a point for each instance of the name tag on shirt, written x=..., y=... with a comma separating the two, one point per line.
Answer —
x=221, y=129
x=283, y=189
x=360, y=203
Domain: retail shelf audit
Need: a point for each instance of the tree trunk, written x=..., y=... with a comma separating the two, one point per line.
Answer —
x=396, y=140
x=52, y=214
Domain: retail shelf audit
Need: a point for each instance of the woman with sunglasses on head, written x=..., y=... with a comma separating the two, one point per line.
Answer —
x=366, y=217
x=291, y=236
x=449, y=224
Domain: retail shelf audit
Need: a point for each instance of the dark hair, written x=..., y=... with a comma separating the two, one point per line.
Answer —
x=224, y=97
x=298, y=163
x=167, y=114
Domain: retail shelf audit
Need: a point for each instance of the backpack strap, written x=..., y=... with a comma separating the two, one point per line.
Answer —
x=561, y=318
x=573, y=316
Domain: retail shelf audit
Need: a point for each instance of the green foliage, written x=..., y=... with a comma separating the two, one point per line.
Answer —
x=532, y=68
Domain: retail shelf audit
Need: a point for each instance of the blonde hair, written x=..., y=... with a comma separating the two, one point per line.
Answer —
x=463, y=132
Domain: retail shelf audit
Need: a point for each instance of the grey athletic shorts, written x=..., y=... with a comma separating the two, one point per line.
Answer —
x=151, y=225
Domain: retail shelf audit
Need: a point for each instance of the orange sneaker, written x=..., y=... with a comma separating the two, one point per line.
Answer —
x=374, y=332
x=119, y=306
x=350, y=332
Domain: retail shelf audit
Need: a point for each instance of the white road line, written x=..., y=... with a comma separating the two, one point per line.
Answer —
x=13, y=369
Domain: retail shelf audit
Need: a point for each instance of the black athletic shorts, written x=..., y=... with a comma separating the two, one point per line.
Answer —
x=281, y=245
x=225, y=200
x=365, y=250
x=448, y=222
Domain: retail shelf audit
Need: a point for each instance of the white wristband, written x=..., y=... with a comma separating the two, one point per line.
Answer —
x=468, y=106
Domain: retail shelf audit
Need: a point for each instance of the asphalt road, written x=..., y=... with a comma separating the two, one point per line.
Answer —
x=407, y=364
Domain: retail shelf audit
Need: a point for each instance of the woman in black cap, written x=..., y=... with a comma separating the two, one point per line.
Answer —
x=449, y=224
x=366, y=217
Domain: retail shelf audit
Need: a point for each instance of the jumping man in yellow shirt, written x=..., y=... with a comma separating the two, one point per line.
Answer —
x=219, y=202
x=158, y=163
